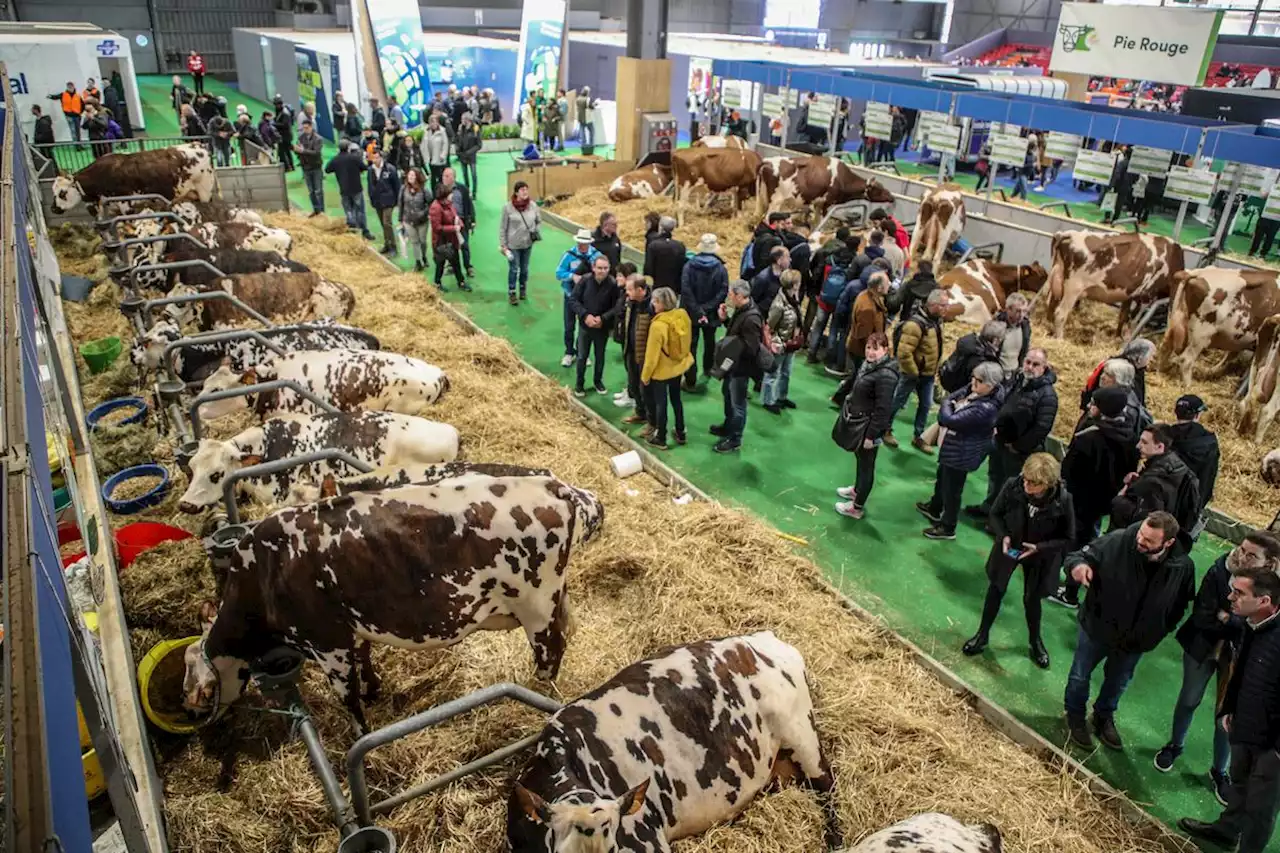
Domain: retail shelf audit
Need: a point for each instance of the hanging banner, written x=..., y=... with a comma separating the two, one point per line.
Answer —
x=1007, y=149
x=1255, y=180
x=312, y=85
x=699, y=77
x=538, y=59
x=1158, y=43
x=1153, y=162
x=1195, y=185
x=1094, y=167
x=878, y=120
x=402, y=56
x=1062, y=146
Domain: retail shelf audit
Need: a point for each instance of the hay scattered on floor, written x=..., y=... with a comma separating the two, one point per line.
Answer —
x=117, y=448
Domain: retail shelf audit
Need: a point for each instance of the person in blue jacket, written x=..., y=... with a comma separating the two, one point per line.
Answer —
x=837, y=354
x=704, y=285
x=574, y=264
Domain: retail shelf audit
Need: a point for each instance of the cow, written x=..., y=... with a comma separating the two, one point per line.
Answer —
x=730, y=141
x=416, y=567
x=717, y=170
x=930, y=833
x=648, y=182
x=189, y=213
x=939, y=222
x=979, y=287
x=1270, y=470
x=296, y=295
x=1118, y=269
x=228, y=261
x=243, y=235
x=390, y=477
x=376, y=438
x=348, y=380
x=669, y=747
x=817, y=182
x=181, y=172
x=196, y=362
x=1261, y=403
x=1219, y=308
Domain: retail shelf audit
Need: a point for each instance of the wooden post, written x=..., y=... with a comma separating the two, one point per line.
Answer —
x=643, y=86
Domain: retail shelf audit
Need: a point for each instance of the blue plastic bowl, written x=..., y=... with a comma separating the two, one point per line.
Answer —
x=103, y=409
x=151, y=498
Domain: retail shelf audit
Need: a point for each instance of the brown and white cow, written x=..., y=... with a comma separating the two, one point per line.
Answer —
x=390, y=476
x=1261, y=403
x=1118, y=269
x=817, y=182
x=930, y=833
x=716, y=170
x=979, y=287
x=939, y=222
x=670, y=747
x=718, y=141
x=416, y=567
x=183, y=171
x=1219, y=308
x=348, y=380
x=292, y=295
x=378, y=439
x=228, y=261
x=648, y=182
x=243, y=235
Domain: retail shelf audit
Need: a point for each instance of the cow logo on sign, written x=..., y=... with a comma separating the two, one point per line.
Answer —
x=1077, y=39
x=108, y=47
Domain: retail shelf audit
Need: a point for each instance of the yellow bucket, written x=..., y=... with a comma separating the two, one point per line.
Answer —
x=173, y=723
x=95, y=781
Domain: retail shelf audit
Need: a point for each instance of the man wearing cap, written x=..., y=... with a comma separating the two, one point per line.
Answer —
x=1198, y=447
x=704, y=284
x=309, y=148
x=574, y=264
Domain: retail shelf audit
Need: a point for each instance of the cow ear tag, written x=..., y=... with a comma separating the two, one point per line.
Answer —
x=534, y=806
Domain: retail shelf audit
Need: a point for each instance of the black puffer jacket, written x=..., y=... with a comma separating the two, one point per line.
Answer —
x=1165, y=483
x=609, y=246
x=664, y=261
x=601, y=298
x=1253, y=695
x=1198, y=447
x=1133, y=603
x=903, y=300
x=762, y=243
x=1101, y=453
x=970, y=351
x=747, y=324
x=1026, y=418
x=869, y=405
x=1203, y=630
x=1049, y=524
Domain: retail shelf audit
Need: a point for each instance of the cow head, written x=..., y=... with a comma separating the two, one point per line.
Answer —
x=224, y=379
x=1032, y=276
x=878, y=193
x=211, y=464
x=181, y=313
x=210, y=686
x=148, y=348
x=66, y=193
x=582, y=821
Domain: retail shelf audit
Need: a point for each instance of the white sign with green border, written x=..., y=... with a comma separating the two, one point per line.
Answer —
x=944, y=137
x=731, y=93
x=1153, y=162
x=1172, y=45
x=1008, y=149
x=821, y=111
x=1062, y=146
x=1195, y=185
x=1271, y=210
x=1255, y=180
x=878, y=120
x=773, y=106
x=1093, y=167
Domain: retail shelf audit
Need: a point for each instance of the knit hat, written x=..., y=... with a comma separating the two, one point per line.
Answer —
x=709, y=245
x=1188, y=406
x=1110, y=401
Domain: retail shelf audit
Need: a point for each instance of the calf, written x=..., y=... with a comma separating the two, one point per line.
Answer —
x=980, y=287
x=417, y=567
x=195, y=363
x=389, y=477
x=648, y=182
x=1261, y=403
x=1118, y=269
x=189, y=213
x=670, y=747
x=349, y=380
x=228, y=261
x=290, y=295
x=243, y=235
x=376, y=438
x=1219, y=308
x=180, y=172
x=933, y=833
x=940, y=220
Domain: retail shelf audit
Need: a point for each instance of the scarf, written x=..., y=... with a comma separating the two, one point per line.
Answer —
x=520, y=204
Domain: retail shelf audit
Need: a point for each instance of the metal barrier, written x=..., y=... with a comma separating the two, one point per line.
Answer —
x=275, y=466
x=1145, y=317
x=432, y=717
x=204, y=296
x=166, y=362
x=120, y=245
x=1126, y=220
x=74, y=156
x=885, y=166
x=838, y=212
x=975, y=250
x=1050, y=205
x=193, y=411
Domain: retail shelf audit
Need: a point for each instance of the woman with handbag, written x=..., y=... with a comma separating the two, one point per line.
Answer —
x=446, y=237
x=414, y=207
x=784, y=337
x=519, y=230
x=865, y=416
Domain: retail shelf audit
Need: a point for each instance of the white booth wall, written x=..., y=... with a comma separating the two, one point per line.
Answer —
x=265, y=62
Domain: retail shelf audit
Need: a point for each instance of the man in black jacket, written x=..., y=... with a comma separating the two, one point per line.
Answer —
x=384, y=196
x=348, y=167
x=1024, y=422
x=1198, y=447
x=766, y=283
x=605, y=239
x=596, y=301
x=377, y=118
x=971, y=350
x=1140, y=582
x=747, y=326
x=1209, y=639
x=903, y=300
x=664, y=257
x=763, y=241
x=704, y=285
x=42, y=133
x=1164, y=482
x=309, y=147
x=282, y=119
x=1251, y=715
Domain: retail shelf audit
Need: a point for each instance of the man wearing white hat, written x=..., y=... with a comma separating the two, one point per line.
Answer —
x=574, y=264
x=704, y=284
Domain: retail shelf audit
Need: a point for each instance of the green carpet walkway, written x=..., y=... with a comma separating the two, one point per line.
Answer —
x=786, y=473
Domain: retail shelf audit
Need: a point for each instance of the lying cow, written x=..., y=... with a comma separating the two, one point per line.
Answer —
x=243, y=235
x=1118, y=269
x=228, y=261
x=648, y=182
x=670, y=747
x=717, y=141
x=348, y=380
x=376, y=438
x=180, y=172
x=195, y=363
x=932, y=833
x=285, y=295
x=816, y=182
x=716, y=170
x=189, y=213
x=389, y=478
x=1218, y=308
x=939, y=223
x=1261, y=403
x=980, y=287
x=417, y=567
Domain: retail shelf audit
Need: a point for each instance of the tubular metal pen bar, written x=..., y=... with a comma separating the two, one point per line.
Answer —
x=204, y=296
x=1066, y=208
x=193, y=411
x=885, y=167
x=973, y=250
x=172, y=265
x=496, y=757
x=166, y=360
x=109, y=225
x=427, y=719
x=155, y=238
x=115, y=199
x=275, y=466
x=1145, y=317
x=1127, y=220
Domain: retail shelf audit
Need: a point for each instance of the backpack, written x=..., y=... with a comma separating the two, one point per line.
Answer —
x=834, y=286
x=744, y=263
x=954, y=373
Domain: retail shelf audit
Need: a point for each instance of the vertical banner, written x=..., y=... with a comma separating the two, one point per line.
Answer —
x=328, y=64
x=402, y=55
x=542, y=31
x=311, y=87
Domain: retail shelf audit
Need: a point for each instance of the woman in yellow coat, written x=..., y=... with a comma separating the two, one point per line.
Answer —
x=666, y=358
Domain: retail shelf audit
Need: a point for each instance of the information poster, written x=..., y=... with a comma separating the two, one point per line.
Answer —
x=1255, y=180
x=1094, y=167
x=1195, y=185
x=1272, y=208
x=1153, y=162
x=402, y=55
x=1146, y=42
x=538, y=59
x=311, y=87
x=1007, y=149
x=1062, y=146
x=821, y=111
x=944, y=137
x=877, y=120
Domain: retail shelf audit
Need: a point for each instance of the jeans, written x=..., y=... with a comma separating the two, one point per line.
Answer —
x=353, y=207
x=948, y=486
x=415, y=238
x=866, y=474
x=837, y=352
x=707, y=333
x=468, y=175
x=518, y=269
x=588, y=134
x=221, y=152
x=734, y=389
x=1253, y=797
x=591, y=339
x=570, y=319
x=923, y=388
x=1115, y=677
x=314, y=179
x=642, y=394
x=1019, y=185
x=388, y=228
x=1195, y=678
x=778, y=380
x=73, y=124
x=818, y=330
x=661, y=390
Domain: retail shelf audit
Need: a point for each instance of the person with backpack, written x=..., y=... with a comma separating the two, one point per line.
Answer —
x=841, y=318
x=866, y=414
x=574, y=264
x=902, y=302
x=1198, y=447
x=1164, y=482
x=745, y=330
x=763, y=241
x=874, y=249
x=838, y=251
x=917, y=345
x=879, y=265
x=704, y=284
x=971, y=350
x=782, y=329
x=666, y=359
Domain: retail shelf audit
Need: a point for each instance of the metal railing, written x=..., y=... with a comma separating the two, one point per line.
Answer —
x=74, y=156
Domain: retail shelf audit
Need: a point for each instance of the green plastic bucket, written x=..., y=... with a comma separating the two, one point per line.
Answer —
x=100, y=354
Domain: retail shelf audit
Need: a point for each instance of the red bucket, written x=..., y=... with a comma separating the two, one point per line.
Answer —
x=133, y=539
x=69, y=532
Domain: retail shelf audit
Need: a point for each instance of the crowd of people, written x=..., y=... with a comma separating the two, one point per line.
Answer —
x=98, y=114
x=546, y=122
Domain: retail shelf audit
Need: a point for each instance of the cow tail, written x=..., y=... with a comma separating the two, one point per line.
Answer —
x=761, y=203
x=1175, y=338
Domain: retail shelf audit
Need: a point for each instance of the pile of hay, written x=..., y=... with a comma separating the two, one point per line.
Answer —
x=660, y=574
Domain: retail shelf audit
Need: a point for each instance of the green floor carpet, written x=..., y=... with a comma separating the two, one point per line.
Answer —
x=786, y=473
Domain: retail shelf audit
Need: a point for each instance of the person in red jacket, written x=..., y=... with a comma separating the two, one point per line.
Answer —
x=900, y=235
x=446, y=237
x=195, y=64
